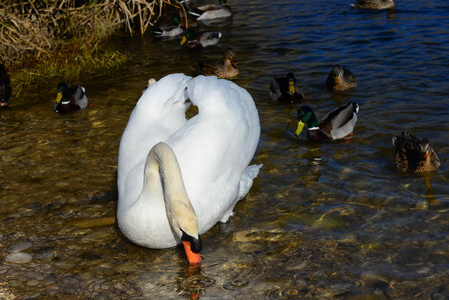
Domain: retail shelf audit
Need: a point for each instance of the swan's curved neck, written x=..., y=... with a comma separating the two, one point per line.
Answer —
x=162, y=170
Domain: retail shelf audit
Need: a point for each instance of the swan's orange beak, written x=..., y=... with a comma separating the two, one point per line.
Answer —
x=194, y=258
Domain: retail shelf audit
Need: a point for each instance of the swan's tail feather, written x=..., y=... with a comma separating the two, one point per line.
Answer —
x=246, y=181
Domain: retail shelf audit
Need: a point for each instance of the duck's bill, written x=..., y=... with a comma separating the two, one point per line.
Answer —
x=58, y=98
x=184, y=39
x=336, y=82
x=192, y=257
x=299, y=128
x=291, y=87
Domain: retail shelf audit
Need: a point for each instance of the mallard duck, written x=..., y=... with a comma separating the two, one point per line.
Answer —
x=285, y=89
x=70, y=99
x=336, y=125
x=412, y=154
x=200, y=40
x=373, y=4
x=187, y=21
x=5, y=86
x=340, y=79
x=211, y=11
x=222, y=69
x=157, y=206
x=169, y=30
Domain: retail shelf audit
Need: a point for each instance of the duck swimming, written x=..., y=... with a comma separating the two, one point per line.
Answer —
x=335, y=125
x=212, y=11
x=70, y=99
x=340, y=79
x=169, y=30
x=412, y=154
x=5, y=86
x=285, y=89
x=200, y=40
x=222, y=69
x=176, y=177
x=373, y=4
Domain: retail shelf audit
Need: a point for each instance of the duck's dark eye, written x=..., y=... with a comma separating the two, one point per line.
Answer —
x=422, y=164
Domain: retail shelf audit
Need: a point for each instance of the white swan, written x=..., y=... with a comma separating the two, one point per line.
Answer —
x=213, y=149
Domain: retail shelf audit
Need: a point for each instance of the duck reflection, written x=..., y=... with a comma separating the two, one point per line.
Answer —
x=307, y=157
x=310, y=156
x=430, y=196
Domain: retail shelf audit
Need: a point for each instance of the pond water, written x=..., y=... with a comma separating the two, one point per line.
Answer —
x=327, y=220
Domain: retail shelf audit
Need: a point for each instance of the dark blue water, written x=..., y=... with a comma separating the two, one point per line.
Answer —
x=328, y=220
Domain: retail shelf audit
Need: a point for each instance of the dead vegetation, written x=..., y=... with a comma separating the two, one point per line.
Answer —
x=40, y=38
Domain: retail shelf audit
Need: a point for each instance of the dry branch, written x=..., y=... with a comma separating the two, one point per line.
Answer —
x=36, y=28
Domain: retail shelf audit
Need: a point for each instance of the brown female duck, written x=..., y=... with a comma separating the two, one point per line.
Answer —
x=340, y=79
x=412, y=154
x=222, y=69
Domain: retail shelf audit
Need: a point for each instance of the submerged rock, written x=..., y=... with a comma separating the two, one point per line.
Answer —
x=19, y=258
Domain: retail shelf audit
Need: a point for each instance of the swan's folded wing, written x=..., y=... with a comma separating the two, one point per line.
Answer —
x=246, y=181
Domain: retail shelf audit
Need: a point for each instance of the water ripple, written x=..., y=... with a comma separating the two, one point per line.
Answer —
x=288, y=293
x=337, y=208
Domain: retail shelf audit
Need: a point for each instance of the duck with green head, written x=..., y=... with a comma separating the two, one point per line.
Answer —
x=70, y=98
x=200, y=40
x=335, y=125
x=170, y=30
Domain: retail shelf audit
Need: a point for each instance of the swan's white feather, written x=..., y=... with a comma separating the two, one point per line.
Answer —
x=214, y=149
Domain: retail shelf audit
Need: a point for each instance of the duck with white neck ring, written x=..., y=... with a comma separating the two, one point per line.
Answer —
x=335, y=125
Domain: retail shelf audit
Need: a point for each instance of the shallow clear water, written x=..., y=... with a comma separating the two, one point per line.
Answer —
x=322, y=220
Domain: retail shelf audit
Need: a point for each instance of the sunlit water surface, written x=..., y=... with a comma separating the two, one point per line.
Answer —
x=322, y=220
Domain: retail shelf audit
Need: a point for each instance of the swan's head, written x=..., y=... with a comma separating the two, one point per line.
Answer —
x=192, y=247
x=185, y=223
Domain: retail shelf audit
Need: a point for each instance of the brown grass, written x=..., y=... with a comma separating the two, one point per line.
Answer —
x=46, y=37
